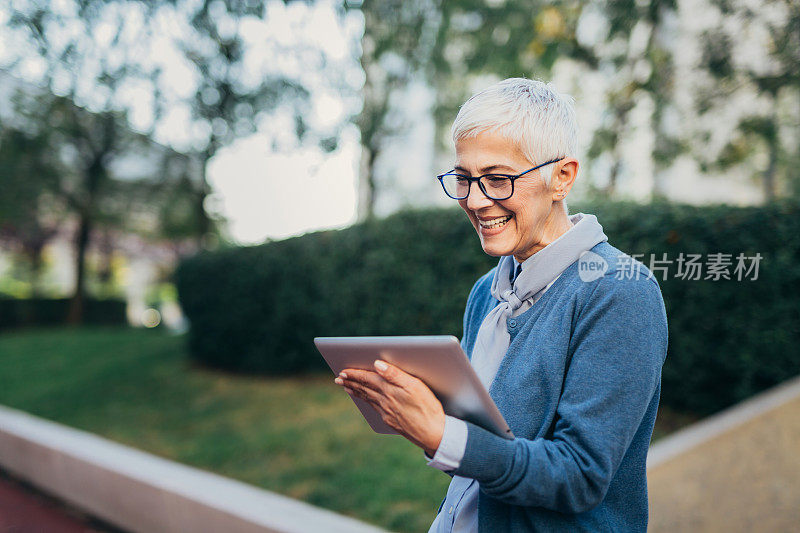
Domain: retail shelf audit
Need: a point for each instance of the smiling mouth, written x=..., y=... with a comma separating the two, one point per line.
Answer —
x=492, y=223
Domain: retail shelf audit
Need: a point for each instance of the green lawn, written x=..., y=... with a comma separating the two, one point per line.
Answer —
x=300, y=436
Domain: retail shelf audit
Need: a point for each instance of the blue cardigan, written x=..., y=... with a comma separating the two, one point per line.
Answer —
x=579, y=386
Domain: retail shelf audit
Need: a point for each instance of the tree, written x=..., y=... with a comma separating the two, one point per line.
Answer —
x=772, y=77
x=445, y=45
x=641, y=68
x=90, y=52
x=396, y=48
x=29, y=211
x=226, y=103
x=472, y=39
x=514, y=38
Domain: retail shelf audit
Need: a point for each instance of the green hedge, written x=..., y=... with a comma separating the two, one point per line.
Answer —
x=257, y=309
x=15, y=313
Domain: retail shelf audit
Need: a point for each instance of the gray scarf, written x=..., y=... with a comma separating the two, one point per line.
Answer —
x=538, y=271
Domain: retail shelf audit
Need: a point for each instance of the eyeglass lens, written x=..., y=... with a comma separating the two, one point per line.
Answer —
x=495, y=187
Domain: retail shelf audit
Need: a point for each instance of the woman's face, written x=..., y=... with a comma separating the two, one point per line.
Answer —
x=526, y=217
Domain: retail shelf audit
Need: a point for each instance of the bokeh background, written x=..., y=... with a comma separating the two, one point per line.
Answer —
x=191, y=190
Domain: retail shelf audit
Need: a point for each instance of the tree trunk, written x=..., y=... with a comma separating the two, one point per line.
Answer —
x=36, y=270
x=769, y=173
x=366, y=188
x=76, y=306
x=203, y=221
x=105, y=273
x=613, y=176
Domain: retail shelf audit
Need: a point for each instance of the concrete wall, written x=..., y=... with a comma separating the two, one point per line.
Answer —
x=140, y=492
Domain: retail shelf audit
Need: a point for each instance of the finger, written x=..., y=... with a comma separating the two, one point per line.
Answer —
x=367, y=378
x=364, y=393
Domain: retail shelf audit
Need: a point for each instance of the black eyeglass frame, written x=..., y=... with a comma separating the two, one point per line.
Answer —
x=512, y=177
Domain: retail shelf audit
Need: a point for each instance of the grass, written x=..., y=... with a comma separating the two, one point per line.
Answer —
x=298, y=436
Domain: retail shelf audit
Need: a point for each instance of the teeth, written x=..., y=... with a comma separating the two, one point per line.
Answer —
x=495, y=222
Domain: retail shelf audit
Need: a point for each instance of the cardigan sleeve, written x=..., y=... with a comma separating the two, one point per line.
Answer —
x=616, y=352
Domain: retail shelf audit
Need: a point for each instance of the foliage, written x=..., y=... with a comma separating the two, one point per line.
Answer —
x=500, y=39
x=444, y=45
x=89, y=54
x=266, y=303
x=106, y=61
x=728, y=338
x=29, y=216
x=257, y=309
x=396, y=48
x=769, y=79
x=29, y=312
x=227, y=102
x=629, y=51
x=453, y=45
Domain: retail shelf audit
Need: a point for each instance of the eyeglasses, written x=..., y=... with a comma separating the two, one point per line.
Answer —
x=494, y=186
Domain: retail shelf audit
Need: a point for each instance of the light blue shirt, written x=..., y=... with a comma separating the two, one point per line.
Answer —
x=459, y=513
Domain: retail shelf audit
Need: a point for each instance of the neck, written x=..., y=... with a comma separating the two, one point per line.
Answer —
x=556, y=224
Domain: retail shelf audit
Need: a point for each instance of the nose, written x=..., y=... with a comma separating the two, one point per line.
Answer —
x=476, y=199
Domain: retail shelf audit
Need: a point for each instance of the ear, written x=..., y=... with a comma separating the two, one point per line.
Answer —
x=563, y=178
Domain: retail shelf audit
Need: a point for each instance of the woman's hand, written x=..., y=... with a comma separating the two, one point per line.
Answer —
x=404, y=402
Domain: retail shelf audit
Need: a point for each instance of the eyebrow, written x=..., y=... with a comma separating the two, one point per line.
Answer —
x=487, y=169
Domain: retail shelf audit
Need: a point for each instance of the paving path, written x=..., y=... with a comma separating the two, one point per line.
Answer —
x=744, y=478
x=24, y=511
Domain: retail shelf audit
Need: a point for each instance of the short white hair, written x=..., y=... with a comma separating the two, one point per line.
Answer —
x=530, y=113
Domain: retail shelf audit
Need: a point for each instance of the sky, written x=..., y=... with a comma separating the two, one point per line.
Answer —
x=272, y=190
x=273, y=195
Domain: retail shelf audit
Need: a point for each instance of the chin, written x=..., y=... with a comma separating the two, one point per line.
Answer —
x=496, y=249
x=498, y=242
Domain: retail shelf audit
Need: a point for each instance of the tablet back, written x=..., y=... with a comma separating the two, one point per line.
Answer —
x=437, y=360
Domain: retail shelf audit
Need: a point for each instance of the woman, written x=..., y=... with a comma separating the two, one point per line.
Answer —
x=567, y=332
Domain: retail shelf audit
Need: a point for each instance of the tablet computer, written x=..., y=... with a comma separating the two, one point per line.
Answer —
x=437, y=360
